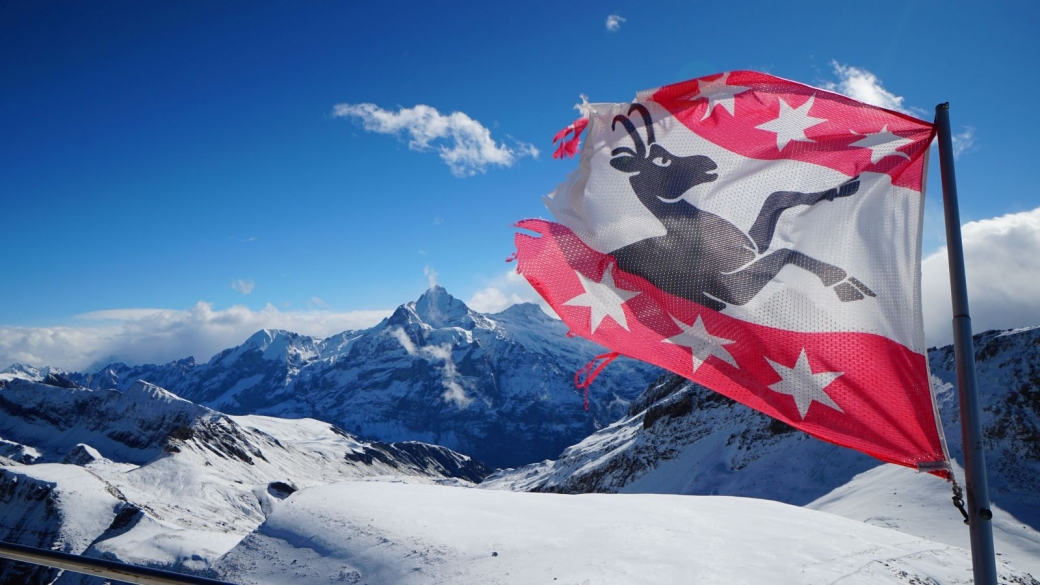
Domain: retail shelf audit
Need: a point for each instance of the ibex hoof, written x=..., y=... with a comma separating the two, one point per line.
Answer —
x=846, y=292
x=847, y=188
x=852, y=290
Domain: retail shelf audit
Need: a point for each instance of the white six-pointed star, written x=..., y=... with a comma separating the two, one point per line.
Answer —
x=882, y=144
x=718, y=93
x=701, y=343
x=792, y=123
x=604, y=298
x=802, y=384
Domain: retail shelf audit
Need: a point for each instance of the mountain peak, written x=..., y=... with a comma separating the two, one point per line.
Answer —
x=263, y=338
x=28, y=372
x=274, y=345
x=524, y=311
x=437, y=308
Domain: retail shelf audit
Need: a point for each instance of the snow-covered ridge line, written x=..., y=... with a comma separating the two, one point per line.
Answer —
x=242, y=497
x=147, y=477
x=498, y=387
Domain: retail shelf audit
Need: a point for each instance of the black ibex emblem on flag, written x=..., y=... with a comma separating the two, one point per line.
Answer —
x=704, y=258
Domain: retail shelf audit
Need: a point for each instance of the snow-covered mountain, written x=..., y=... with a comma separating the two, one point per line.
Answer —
x=499, y=387
x=145, y=476
x=681, y=438
x=149, y=478
x=26, y=372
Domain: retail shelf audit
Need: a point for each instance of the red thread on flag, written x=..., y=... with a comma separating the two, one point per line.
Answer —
x=569, y=147
x=591, y=370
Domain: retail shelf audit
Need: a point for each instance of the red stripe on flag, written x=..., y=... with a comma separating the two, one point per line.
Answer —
x=830, y=143
x=856, y=390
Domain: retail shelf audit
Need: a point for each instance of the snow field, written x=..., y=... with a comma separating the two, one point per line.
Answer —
x=405, y=533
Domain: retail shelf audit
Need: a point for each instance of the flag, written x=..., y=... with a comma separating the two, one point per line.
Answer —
x=760, y=237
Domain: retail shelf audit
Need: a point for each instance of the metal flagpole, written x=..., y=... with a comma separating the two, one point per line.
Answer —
x=983, y=558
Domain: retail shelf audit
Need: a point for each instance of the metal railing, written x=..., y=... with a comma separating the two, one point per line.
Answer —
x=98, y=567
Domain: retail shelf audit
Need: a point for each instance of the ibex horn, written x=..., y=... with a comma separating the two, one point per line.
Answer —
x=646, y=121
x=631, y=128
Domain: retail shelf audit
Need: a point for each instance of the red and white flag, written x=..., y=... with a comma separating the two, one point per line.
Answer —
x=759, y=237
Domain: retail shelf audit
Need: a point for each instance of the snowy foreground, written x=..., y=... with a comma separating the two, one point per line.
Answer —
x=399, y=532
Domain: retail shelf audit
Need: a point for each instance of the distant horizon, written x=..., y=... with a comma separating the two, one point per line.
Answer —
x=100, y=363
x=135, y=314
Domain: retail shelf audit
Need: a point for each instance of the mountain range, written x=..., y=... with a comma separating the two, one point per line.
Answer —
x=681, y=438
x=281, y=487
x=147, y=477
x=498, y=387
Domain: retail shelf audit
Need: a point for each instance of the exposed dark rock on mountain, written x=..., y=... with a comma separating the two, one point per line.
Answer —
x=679, y=437
x=498, y=387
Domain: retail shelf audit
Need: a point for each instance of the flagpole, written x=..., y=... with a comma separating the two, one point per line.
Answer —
x=983, y=558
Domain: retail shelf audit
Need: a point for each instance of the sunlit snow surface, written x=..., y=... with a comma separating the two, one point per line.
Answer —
x=402, y=533
x=201, y=489
x=919, y=504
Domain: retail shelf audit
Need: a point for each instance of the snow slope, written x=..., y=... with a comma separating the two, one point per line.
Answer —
x=142, y=475
x=681, y=438
x=146, y=477
x=893, y=497
x=404, y=534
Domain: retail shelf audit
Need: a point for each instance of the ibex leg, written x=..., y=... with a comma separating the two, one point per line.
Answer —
x=765, y=224
x=740, y=287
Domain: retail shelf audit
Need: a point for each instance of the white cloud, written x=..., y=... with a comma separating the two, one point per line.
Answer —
x=243, y=286
x=316, y=303
x=1002, y=260
x=462, y=142
x=963, y=142
x=492, y=300
x=431, y=275
x=119, y=314
x=505, y=291
x=161, y=335
x=614, y=22
x=862, y=85
x=453, y=391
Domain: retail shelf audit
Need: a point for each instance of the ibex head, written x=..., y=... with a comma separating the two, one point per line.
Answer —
x=657, y=174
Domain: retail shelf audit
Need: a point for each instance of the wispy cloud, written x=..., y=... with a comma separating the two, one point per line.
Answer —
x=453, y=390
x=243, y=286
x=862, y=85
x=462, y=142
x=963, y=142
x=317, y=303
x=614, y=22
x=119, y=314
x=161, y=335
x=431, y=275
x=1002, y=259
x=505, y=291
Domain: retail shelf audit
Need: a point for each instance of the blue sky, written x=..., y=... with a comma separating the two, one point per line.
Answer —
x=183, y=164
